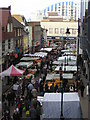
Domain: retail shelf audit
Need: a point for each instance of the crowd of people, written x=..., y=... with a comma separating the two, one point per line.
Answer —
x=24, y=100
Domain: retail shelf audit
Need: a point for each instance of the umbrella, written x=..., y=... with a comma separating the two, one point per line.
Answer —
x=12, y=71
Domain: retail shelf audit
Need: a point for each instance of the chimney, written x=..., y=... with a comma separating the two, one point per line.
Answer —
x=9, y=7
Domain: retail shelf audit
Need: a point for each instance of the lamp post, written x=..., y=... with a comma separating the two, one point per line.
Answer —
x=67, y=32
x=61, y=114
x=77, y=56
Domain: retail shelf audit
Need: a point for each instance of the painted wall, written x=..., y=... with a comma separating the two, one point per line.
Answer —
x=60, y=25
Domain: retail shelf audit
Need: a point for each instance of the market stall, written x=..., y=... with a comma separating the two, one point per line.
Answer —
x=12, y=71
x=63, y=62
x=67, y=68
x=25, y=59
x=24, y=64
x=29, y=76
x=69, y=58
x=32, y=71
x=40, y=54
x=52, y=106
x=55, y=78
x=46, y=49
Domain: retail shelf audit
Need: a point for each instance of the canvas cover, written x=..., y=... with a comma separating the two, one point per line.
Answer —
x=52, y=106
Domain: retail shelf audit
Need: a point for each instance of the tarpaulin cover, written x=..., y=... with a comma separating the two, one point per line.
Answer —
x=52, y=105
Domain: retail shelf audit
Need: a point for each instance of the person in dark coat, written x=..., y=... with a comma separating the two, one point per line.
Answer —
x=9, y=98
x=13, y=95
x=16, y=115
x=23, y=88
x=82, y=89
x=56, y=88
x=46, y=87
x=52, y=89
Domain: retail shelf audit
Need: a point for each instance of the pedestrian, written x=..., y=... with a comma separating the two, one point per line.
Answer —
x=82, y=89
x=87, y=89
x=23, y=88
x=38, y=110
x=41, y=86
x=56, y=88
x=16, y=115
x=9, y=98
x=46, y=87
x=34, y=93
x=13, y=95
x=52, y=89
x=33, y=112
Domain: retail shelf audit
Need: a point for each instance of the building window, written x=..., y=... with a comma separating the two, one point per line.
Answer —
x=2, y=29
x=18, y=32
x=69, y=3
x=50, y=30
x=72, y=4
x=51, y=7
x=66, y=3
x=62, y=30
x=62, y=3
x=44, y=11
x=11, y=27
x=56, y=31
x=59, y=4
x=73, y=31
x=66, y=12
x=8, y=44
x=55, y=7
x=3, y=46
x=8, y=27
x=48, y=9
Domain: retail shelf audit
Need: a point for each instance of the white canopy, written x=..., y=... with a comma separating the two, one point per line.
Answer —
x=52, y=105
x=67, y=68
x=30, y=55
x=67, y=50
x=70, y=58
x=40, y=54
x=60, y=62
x=29, y=58
x=57, y=76
x=46, y=49
x=24, y=64
x=68, y=53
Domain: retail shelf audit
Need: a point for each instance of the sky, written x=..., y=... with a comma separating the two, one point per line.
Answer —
x=26, y=7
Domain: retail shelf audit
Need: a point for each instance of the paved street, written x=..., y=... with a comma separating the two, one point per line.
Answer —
x=85, y=104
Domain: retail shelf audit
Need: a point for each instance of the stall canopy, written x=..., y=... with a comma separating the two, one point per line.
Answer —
x=29, y=58
x=57, y=76
x=12, y=71
x=70, y=58
x=60, y=62
x=52, y=106
x=24, y=64
x=40, y=54
x=30, y=55
x=67, y=68
x=46, y=49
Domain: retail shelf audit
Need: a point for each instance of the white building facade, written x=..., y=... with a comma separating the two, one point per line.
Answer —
x=57, y=30
x=66, y=9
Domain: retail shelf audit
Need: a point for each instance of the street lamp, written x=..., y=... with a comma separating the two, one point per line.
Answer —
x=67, y=32
x=61, y=115
x=77, y=56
